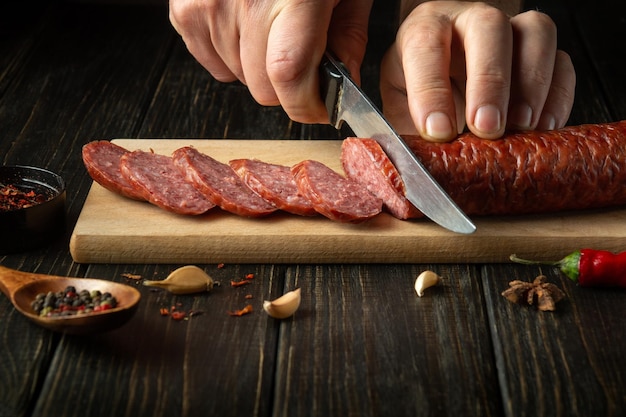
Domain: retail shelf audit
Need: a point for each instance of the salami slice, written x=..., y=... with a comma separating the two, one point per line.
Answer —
x=160, y=182
x=577, y=167
x=365, y=161
x=102, y=161
x=334, y=196
x=274, y=183
x=220, y=184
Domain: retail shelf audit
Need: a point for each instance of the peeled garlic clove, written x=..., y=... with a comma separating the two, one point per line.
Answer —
x=424, y=280
x=284, y=306
x=185, y=280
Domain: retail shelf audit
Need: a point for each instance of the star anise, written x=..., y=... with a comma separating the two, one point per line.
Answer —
x=544, y=294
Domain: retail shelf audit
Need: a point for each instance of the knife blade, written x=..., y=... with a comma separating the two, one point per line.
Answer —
x=346, y=102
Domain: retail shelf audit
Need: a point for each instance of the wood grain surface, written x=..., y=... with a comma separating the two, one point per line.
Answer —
x=362, y=343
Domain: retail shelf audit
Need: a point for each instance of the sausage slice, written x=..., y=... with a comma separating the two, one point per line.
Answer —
x=274, y=183
x=220, y=184
x=160, y=182
x=334, y=196
x=102, y=160
x=364, y=161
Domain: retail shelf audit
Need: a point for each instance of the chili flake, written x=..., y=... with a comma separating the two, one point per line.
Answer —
x=238, y=283
x=131, y=276
x=238, y=313
x=12, y=198
x=178, y=315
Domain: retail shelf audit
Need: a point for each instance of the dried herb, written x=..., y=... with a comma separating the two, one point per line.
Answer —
x=540, y=293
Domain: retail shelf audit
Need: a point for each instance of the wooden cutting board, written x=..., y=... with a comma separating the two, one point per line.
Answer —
x=112, y=229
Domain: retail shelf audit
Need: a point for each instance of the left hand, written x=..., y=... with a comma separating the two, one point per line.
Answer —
x=456, y=63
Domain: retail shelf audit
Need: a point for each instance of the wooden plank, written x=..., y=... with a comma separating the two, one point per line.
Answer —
x=117, y=230
x=363, y=343
x=568, y=362
x=210, y=364
x=558, y=362
x=61, y=82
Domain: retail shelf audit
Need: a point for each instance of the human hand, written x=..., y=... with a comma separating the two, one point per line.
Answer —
x=274, y=46
x=461, y=62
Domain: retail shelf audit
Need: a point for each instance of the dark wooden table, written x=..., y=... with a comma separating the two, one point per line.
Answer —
x=362, y=343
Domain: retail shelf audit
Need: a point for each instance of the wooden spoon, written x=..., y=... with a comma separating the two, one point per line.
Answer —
x=23, y=287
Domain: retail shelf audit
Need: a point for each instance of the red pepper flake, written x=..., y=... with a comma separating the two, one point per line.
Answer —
x=238, y=313
x=220, y=266
x=248, y=296
x=250, y=276
x=178, y=315
x=164, y=312
x=131, y=276
x=238, y=283
x=12, y=198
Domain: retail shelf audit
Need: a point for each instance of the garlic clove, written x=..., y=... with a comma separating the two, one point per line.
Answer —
x=184, y=280
x=284, y=306
x=425, y=280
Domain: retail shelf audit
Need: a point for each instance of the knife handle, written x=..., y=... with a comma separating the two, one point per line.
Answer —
x=331, y=82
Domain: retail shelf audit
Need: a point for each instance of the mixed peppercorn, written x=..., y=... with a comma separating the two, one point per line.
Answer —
x=70, y=302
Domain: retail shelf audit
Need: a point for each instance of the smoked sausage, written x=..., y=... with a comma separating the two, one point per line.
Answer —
x=577, y=167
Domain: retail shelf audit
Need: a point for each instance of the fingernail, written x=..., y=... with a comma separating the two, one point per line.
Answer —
x=438, y=126
x=488, y=119
x=547, y=122
x=521, y=116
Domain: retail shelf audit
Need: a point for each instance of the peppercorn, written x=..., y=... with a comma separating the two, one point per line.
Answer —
x=70, y=302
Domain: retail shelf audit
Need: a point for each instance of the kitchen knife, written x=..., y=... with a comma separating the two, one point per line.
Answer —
x=346, y=102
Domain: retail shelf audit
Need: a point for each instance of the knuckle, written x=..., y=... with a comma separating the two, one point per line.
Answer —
x=482, y=12
x=286, y=67
x=536, y=19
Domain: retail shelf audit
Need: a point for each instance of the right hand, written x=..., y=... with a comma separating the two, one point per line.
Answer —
x=274, y=46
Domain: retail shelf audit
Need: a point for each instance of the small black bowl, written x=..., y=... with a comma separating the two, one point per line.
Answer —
x=32, y=227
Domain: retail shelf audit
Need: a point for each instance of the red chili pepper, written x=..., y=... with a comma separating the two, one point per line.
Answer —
x=589, y=267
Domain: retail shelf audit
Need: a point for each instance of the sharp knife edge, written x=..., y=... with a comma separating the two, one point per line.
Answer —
x=351, y=105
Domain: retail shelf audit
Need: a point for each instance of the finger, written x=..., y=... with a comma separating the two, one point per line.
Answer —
x=534, y=36
x=347, y=35
x=560, y=99
x=393, y=94
x=423, y=45
x=488, y=40
x=296, y=43
x=254, y=50
x=189, y=22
